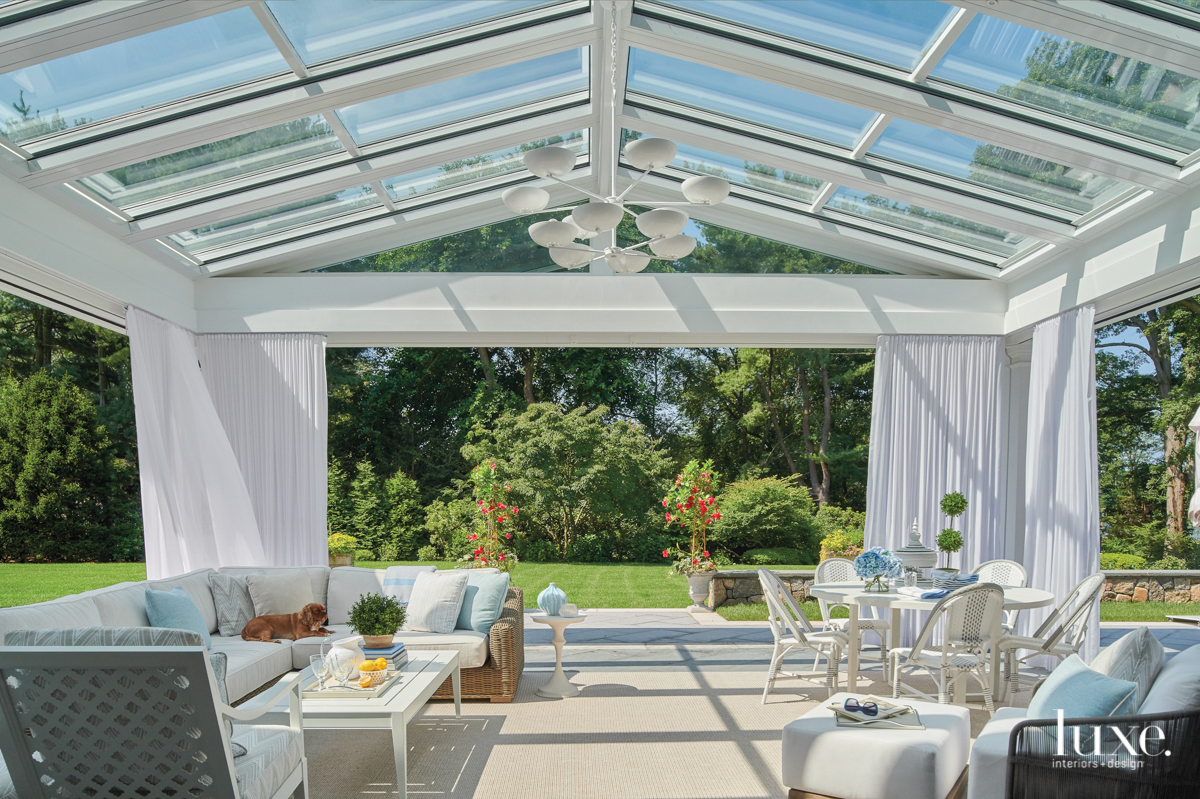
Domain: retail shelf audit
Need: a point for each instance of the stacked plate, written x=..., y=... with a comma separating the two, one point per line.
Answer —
x=955, y=582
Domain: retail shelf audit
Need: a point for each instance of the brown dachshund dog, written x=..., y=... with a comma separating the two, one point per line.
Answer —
x=305, y=624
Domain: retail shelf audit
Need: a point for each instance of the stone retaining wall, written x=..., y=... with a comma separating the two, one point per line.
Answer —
x=742, y=587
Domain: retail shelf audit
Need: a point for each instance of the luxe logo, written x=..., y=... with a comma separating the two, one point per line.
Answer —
x=1139, y=746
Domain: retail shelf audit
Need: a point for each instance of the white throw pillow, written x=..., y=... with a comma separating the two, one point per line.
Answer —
x=279, y=593
x=1137, y=657
x=1177, y=686
x=435, y=602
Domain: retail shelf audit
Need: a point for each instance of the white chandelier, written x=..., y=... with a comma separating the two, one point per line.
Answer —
x=663, y=224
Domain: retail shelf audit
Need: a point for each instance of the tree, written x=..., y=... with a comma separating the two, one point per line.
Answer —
x=370, y=520
x=64, y=496
x=405, y=519
x=339, y=511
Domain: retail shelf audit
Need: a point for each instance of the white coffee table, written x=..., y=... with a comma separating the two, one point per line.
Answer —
x=421, y=676
x=558, y=686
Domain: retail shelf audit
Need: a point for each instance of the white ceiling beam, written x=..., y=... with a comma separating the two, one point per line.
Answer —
x=945, y=40
x=980, y=204
x=90, y=25
x=1036, y=134
x=1116, y=28
x=278, y=38
x=291, y=99
x=447, y=310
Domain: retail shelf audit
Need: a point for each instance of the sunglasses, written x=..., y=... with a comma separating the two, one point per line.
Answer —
x=853, y=705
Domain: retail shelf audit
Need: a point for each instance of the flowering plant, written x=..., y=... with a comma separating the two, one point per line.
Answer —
x=875, y=564
x=498, y=520
x=342, y=544
x=840, y=545
x=691, y=503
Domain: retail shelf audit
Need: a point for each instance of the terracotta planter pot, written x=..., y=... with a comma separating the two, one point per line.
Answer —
x=341, y=560
x=378, y=641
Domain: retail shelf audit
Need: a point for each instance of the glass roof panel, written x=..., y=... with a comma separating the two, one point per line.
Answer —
x=469, y=170
x=209, y=164
x=742, y=173
x=1076, y=80
x=468, y=96
x=1026, y=176
x=132, y=74
x=276, y=220
x=746, y=98
x=896, y=32
x=321, y=30
x=931, y=223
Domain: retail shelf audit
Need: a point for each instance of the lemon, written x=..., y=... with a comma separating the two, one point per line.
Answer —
x=380, y=663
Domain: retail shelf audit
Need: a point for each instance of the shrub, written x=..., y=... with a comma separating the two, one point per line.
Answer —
x=591, y=548
x=364, y=554
x=541, y=551
x=1116, y=560
x=376, y=614
x=427, y=553
x=830, y=519
x=448, y=525
x=766, y=513
x=773, y=556
x=342, y=544
x=1169, y=562
x=840, y=544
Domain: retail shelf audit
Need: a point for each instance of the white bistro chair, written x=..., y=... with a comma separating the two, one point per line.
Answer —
x=139, y=722
x=792, y=630
x=841, y=570
x=1062, y=634
x=972, y=625
x=1010, y=574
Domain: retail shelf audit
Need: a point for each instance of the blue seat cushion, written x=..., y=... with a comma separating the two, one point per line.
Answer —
x=175, y=610
x=483, y=602
x=1081, y=692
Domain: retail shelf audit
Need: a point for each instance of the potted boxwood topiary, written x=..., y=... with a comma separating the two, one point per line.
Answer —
x=376, y=618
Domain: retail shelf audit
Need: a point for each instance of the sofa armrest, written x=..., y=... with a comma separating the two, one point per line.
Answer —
x=1036, y=769
x=506, y=640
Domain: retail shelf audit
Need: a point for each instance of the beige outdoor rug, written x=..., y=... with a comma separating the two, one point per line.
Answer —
x=628, y=735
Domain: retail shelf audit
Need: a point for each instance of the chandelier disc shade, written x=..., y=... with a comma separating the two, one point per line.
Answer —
x=572, y=256
x=598, y=217
x=525, y=199
x=662, y=223
x=705, y=190
x=646, y=154
x=627, y=262
x=550, y=161
x=552, y=233
x=674, y=247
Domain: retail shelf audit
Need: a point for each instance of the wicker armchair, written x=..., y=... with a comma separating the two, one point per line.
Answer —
x=1034, y=771
x=497, y=678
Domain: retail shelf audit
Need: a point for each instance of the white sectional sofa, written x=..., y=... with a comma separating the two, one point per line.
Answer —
x=252, y=664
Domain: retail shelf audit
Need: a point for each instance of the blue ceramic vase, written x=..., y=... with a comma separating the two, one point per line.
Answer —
x=551, y=600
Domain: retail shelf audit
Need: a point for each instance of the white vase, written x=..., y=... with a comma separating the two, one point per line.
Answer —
x=698, y=585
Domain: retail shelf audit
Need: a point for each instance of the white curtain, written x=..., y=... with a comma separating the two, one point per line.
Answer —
x=270, y=394
x=1194, y=505
x=1062, y=484
x=936, y=420
x=196, y=511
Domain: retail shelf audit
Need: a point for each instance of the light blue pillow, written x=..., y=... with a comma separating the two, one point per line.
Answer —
x=484, y=601
x=175, y=610
x=1081, y=693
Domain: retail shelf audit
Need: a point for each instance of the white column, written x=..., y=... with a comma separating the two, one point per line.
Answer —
x=1013, y=438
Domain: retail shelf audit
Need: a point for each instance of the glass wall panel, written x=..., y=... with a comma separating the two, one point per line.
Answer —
x=144, y=71
x=209, y=164
x=896, y=32
x=469, y=170
x=1026, y=176
x=468, y=96
x=745, y=98
x=276, y=220
x=1076, y=80
x=324, y=29
x=931, y=223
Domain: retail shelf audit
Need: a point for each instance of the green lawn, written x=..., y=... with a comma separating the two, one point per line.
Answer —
x=22, y=583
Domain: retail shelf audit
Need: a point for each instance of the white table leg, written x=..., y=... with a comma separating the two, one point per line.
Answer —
x=456, y=684
x=400, y=753
x=994, y=657
x=893, y=638
x=852, y=663
x=558, y=686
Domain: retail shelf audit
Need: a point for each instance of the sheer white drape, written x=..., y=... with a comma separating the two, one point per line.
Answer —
x=936, y=420
x=270, y=394
x=196, y=511
x=1062, y=483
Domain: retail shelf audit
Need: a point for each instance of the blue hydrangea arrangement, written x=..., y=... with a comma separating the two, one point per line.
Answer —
x=875, y=564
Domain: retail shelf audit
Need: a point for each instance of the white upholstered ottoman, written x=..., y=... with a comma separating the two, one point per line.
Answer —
x=822, y=758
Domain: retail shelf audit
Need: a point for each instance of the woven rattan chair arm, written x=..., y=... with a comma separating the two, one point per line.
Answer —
x=506, y=640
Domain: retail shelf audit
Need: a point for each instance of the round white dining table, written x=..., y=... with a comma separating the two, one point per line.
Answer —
x=855, y=595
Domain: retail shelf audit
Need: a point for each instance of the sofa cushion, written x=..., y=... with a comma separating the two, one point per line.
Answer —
x=196, y=585
x=280, y=593
x=1177, y=686
x=304, y=648
x=472, y=647
x=436, y=601
x=122, y=605
x=989, y=755
x=231, y=596
x=346, y=585
x=1081, y=693
x=7, y=790
x=252, y=664
x=1137, y=656
x=272, y=755
x=58, y=614
x=483, y=601
x=318, y=576
x=175, y=610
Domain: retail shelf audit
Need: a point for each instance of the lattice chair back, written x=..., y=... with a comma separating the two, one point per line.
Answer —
x=102, y=722
x=785, y=616
x=972, y=616
x=1068, y=623
x=834, y=570
x=1003, y=572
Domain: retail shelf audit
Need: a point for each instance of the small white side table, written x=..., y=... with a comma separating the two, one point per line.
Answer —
x=558, y=687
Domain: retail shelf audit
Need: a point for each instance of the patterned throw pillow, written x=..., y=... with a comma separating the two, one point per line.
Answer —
x=436, y=601
x=1137, y=657
x=231, y=596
